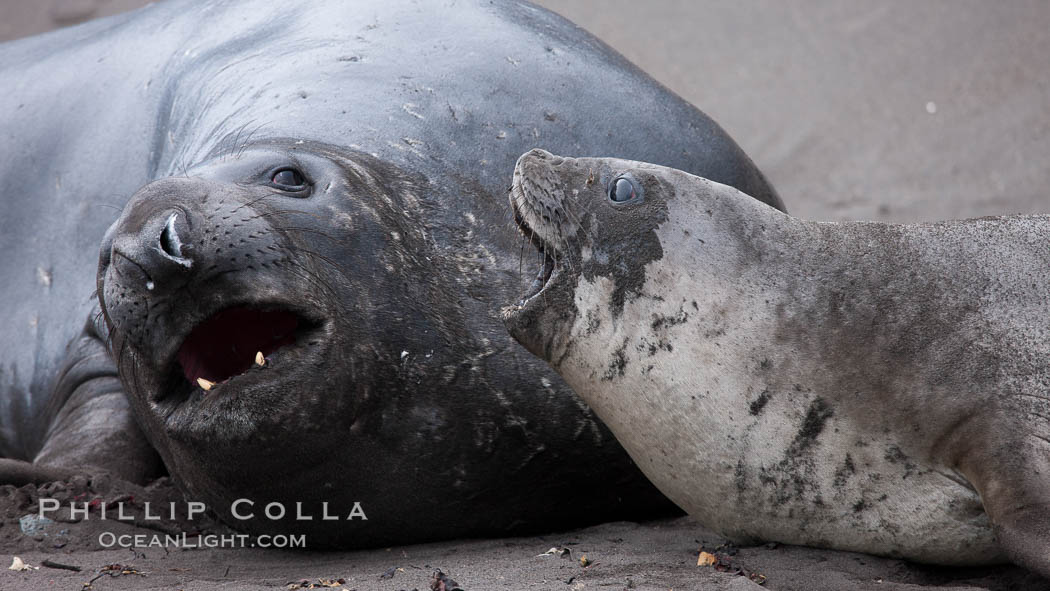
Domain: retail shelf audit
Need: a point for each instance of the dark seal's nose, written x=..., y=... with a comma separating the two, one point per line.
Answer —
x=153, y=253
x=184, y=250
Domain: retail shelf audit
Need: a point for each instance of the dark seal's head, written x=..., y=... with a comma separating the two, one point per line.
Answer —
x=250, y=304
x=583, y=217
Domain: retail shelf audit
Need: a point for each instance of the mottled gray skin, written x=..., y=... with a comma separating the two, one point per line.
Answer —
x=860, y=386
x=407, y=394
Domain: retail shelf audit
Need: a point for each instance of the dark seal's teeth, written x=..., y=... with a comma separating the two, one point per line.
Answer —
x=219, y=348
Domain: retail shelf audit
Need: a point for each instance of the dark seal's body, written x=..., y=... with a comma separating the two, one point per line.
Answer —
x=404, y=392
x=860, y=386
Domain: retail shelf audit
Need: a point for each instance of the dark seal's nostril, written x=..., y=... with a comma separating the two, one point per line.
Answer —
x=169, y=238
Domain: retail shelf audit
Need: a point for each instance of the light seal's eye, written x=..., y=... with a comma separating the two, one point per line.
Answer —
x=288, y=178
x=624, y=189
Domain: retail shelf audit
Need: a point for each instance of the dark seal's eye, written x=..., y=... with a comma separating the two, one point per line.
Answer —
x=288, y=178
x=624, y=189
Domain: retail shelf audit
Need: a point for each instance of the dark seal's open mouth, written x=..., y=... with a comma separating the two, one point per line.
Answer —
x=231, y=343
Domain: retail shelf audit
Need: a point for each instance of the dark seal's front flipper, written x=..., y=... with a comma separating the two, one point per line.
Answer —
x=90, y=425
x=21, y=472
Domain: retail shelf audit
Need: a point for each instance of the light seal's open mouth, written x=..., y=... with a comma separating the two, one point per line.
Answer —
x=547, y=270
x=541, y=280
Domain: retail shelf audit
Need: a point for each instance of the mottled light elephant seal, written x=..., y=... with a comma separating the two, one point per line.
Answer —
x=321, y=182
x=861, y=386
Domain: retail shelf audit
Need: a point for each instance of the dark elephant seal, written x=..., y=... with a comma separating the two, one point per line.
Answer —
x=860, y=386
x=322, y=183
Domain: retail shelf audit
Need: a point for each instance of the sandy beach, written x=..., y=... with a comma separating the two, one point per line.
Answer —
x=658, y=555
